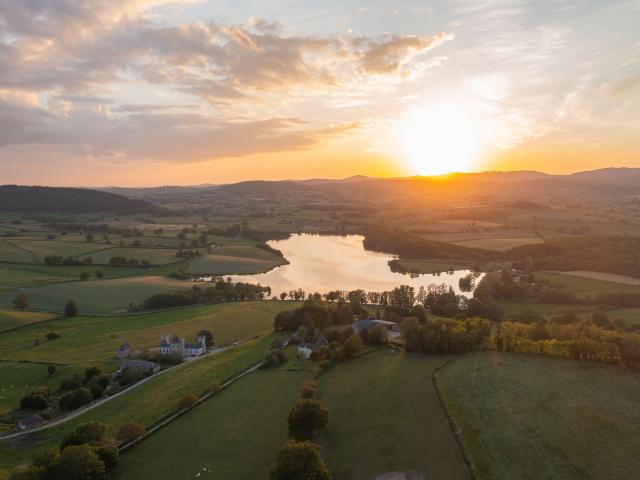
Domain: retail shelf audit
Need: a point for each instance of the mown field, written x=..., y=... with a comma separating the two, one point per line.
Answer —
x=385, y=417
x=97, y=296
x=145, y=404
x=236, y=434
x=90, y=340
x=582, y=286
x=15, y=318
x=536, y=417
x=235, y=259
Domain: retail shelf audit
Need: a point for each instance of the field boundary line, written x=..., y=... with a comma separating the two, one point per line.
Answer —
x=455, y=429
x=162, y=422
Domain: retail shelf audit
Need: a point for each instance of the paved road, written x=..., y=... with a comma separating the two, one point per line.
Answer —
x=102, y=401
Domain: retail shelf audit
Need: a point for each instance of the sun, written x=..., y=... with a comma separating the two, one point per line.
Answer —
x=441, y=138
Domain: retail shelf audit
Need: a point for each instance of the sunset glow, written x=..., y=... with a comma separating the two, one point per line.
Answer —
x=441, y=138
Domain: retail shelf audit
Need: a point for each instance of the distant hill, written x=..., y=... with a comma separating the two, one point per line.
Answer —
x=26, y=199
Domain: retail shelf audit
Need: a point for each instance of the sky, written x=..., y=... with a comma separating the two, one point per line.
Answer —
x=161, y=92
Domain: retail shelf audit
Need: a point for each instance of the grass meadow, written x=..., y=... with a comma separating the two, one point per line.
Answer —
x=235, y=259
x=96, y=296
x=235, y=434
x=582, y=286
x=536, y=417
x=145, y=404
x=385, y=417
x=90, y=340
x=15, y=318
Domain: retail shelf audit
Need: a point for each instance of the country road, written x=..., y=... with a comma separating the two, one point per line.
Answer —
x=102, y=401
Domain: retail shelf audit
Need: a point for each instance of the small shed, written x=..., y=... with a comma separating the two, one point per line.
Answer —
x=31, y=421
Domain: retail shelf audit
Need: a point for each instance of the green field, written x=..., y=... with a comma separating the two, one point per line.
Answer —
x=95, y=339
x=18, y=379
x=64, y=248
x=155, y=256
x=145, y=404
x=430, y=266
x=499, y=244
x=385, y=417
x=11, y=253
x=235, y=434
x=538, y=417
x=20, y=276
x=237, y=259
x=582, y=286
x=97, y=296
x=16, y=318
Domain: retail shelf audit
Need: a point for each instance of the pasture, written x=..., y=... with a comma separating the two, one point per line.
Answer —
x=64, y=248
x=582, y=287
x=18, y=379
x=97, y=296
x=536, y=417
x=385, y=417
x=145, y=404
x=90, y=340
x=17, y=318
x=155, y=256
x=235, y=259
x=605, y=277
x=235, y=434
x=10, y=253
x=499, y=244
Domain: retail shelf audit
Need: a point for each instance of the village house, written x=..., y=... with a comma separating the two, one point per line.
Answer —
x=393, y=329
x=124, y=350
x=30, y=421
x=178, y=346
x=306, y=349
x=138, y=366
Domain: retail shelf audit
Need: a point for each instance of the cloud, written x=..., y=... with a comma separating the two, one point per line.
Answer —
x=388, y=56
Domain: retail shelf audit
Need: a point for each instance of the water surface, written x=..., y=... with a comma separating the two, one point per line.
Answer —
x=321, y=263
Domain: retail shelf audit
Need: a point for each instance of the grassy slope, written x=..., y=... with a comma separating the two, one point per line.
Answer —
x=537, y=417
x=145, y=404
x=16, y=318
x=95, y=339
x=18, y=379
x=385, y=416
x=239, y=259
x=97, y=296
x=10, y=253
x=236, y=434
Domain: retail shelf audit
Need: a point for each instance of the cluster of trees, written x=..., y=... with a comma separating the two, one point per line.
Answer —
x=409, y=246
x=188, y=254
x=243, y=230
x=445, y=335
x=36, y=400
x=316, y=316
x=270, y=249
x=59, y=260
x=301, y=458
x=84, y=454
x=221, y=291
x=579, y=340
x=119, y=261
x=82, y=390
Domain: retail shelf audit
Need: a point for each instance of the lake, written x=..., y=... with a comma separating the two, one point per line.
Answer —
x=321, y=263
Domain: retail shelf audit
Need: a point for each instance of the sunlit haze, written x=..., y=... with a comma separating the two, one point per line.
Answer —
x=150, y=92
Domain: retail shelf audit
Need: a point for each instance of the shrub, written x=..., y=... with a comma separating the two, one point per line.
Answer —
x=71, y=383
x=109, y=455
x=96, y=391
x=89, y=373
x=78, y=462
x=379, y=336
x=75, y=399
x=352, y=346
x=34, y=401
x=51, y=370
x=52, y=335
x=70, y=309
x=300, y=460
x=130, y=431
x=103, y=381
x=308, y=389
x=306, y=417
x=187, y=401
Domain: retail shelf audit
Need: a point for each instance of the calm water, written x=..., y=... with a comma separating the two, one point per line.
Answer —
x=321, y=263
